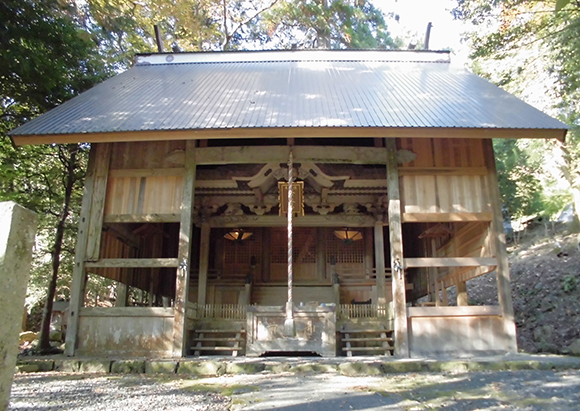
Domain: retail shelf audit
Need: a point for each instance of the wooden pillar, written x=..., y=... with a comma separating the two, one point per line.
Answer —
x=77, y=294
x=203, y=263
x=380, y=263
x=122, y=292
x=462, y=299
x=368, y=257
x=266, y=247
x=184, y=253
x=396, y=240
x=499, y=247
x=321, y=253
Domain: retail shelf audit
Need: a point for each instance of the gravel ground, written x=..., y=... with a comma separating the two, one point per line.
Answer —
x=486, y=391
x=48, y=392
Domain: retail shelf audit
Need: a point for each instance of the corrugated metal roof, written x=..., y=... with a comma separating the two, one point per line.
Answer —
x=343, y=91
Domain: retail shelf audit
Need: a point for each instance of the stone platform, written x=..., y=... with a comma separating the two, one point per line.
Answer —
x=217, y=366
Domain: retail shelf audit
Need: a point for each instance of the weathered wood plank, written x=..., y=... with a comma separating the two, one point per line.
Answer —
x=142, y=218
x=499, y=245
x=203, y=263
x=134, y=263
x=79, y=275
x=301, y=221
x=466, y=311
x=146, y=172
x=445, y=171
x=102, y=161
x=449, y=262
x=445, y=217
x=396, y=239
x=317, y=154
x=126, y=312
x=184, y=253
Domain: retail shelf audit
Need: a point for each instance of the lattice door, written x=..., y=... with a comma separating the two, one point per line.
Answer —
x=238, y=255
x=303, y=254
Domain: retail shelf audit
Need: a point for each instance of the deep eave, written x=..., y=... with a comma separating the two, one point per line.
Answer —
x=292, y=132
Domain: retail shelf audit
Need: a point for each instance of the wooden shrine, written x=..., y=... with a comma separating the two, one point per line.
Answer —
x=384, y=221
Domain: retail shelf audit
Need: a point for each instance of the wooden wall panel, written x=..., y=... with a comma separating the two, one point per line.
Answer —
x=444, y=194
x=144, y=195
x=444, y=152
x=148, y=154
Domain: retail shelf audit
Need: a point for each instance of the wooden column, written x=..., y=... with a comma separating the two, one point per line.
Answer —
x=499, y=246
x=368, y=257
x=462, y=299
x=97, y=212
x=380, y=263
x=184, y=253
x=203, y=263
x=396, y=239
x=122, y=292
x=77, y=294
x=321, y=253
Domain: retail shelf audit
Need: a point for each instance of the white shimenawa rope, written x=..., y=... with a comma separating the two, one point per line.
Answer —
x=289, y=305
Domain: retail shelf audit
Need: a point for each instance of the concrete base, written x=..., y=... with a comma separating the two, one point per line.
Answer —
x=17, y=230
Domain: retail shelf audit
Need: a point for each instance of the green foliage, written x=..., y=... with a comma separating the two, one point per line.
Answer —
x=46, y=57
x=339, y=25
x=519, y=186
x=532, y=51
x=569, y=283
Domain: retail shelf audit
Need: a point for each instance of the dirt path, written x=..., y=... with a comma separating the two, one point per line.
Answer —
x=501, y=390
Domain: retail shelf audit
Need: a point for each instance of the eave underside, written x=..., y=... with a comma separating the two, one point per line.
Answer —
x=291, y=132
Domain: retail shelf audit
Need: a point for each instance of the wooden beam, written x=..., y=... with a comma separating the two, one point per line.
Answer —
x=142, y=218
x=184, y=253
x=445, y=217
x=77, y=295
x=396, y=239
x=146, y=172
x=203, y=263
x=127, y=312
x=442, y=171
x=302, y=221
x=449, y=262
x=470, y=311
x=289, y=132
x=123, y=234
x=269, y=154
x=499, y=246
x=95, y=230
x=134, y=263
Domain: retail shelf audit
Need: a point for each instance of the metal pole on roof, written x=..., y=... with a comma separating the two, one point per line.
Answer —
x=158, y=38
x=289, y=323
x=427, y=36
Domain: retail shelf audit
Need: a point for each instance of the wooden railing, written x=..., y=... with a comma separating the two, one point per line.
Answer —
x=360, y=276
x=222, y=311
x=218, y=275
x=349, y=311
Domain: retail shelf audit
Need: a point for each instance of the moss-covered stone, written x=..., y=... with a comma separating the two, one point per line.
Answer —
x=448, y=366
x=245, y=368
x=314, y=368
x=128, y=367
x=278, y=368
x=400, y=367
x=67, y=365
x=95, y=366
x=360, y=368
x=160, y=367
x=25, y=368
x=202, y=368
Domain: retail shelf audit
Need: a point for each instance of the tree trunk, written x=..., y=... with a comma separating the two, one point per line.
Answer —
x=70, y=162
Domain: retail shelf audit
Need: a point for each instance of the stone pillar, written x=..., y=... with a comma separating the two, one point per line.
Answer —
x=17, y=229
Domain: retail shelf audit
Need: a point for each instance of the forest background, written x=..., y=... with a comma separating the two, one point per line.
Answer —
x=52, y=50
